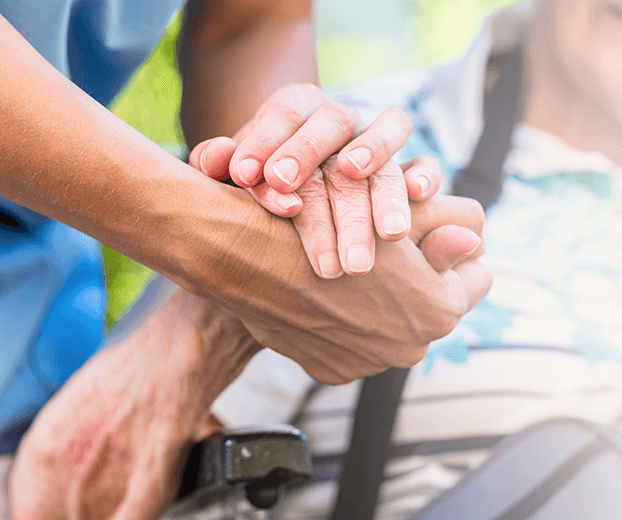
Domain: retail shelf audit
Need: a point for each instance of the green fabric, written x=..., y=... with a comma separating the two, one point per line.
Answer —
x=150, y=103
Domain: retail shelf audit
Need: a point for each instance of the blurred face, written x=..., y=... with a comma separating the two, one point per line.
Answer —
x=586, y=42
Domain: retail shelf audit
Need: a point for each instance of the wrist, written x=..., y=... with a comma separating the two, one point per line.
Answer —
x=206, y=350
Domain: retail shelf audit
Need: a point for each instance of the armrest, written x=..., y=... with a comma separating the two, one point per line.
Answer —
x=260, y=460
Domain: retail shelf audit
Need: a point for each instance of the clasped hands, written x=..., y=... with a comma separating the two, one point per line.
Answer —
x=111, y=443
x=423, y=282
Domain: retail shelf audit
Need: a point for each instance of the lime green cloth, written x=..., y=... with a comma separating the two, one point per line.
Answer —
x=150, y=103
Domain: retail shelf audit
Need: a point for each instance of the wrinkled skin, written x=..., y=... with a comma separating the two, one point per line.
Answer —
x=112, y=442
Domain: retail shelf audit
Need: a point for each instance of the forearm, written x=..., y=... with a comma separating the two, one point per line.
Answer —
x=234, y=54
x=111, y=443
x=65, y=156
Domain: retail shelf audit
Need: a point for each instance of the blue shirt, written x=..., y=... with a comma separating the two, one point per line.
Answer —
x=52, y=293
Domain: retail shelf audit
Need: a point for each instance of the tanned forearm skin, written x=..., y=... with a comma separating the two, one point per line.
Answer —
x=66, y=156
x=234, y=53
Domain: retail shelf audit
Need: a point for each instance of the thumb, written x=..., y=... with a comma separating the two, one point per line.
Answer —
x=212, y=157
x=446, y=246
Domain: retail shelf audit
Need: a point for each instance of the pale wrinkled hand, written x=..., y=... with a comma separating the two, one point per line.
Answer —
x=331, y=221
x=111, y=443
x=299, y=127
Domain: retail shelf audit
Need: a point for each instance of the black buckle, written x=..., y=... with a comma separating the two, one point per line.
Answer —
x=259, y=460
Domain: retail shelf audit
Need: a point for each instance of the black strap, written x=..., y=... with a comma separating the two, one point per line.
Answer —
x=363, y=467
x=483, y=178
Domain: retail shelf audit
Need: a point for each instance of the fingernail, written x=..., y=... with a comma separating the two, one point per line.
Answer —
x=359, y=259
x=424, y=183
x=248, y=169
x=394, y=223
x=466, y=255
x=287, y=200
x=329, y=265
x=202, y=158
x=286, y=170
x=359, y=157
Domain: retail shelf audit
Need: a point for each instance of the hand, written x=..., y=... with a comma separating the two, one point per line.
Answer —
x=342, y=329
x=297, y=128
x=356, y=204
x=336, y=222
x=306, y=128
x=111, y=444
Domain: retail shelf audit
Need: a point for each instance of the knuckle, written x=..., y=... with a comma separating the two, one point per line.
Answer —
x=384, y=148
x=311, y=145
x=390, y=174
x=288, y=113
x=313, y=185
x=389, y=191
x=385, y=145
x=410, y=356
x=314, y=196
x=353, y=217
x=354, y=192
x=341, y=115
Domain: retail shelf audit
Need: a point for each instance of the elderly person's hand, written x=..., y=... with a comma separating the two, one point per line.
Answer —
x=112, y=442
x=299, y=126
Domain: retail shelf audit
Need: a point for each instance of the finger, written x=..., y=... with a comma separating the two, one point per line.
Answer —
x=470, y=281
x=243, y=132
x=351, y=206
x=423, y=177
x=212, y=157
x=327, y=130
x=446, y=246
x=284, y=205
x=442, y=210
x=385, y=136
x=316, y=229
x=389, y=201
x=280, y=118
